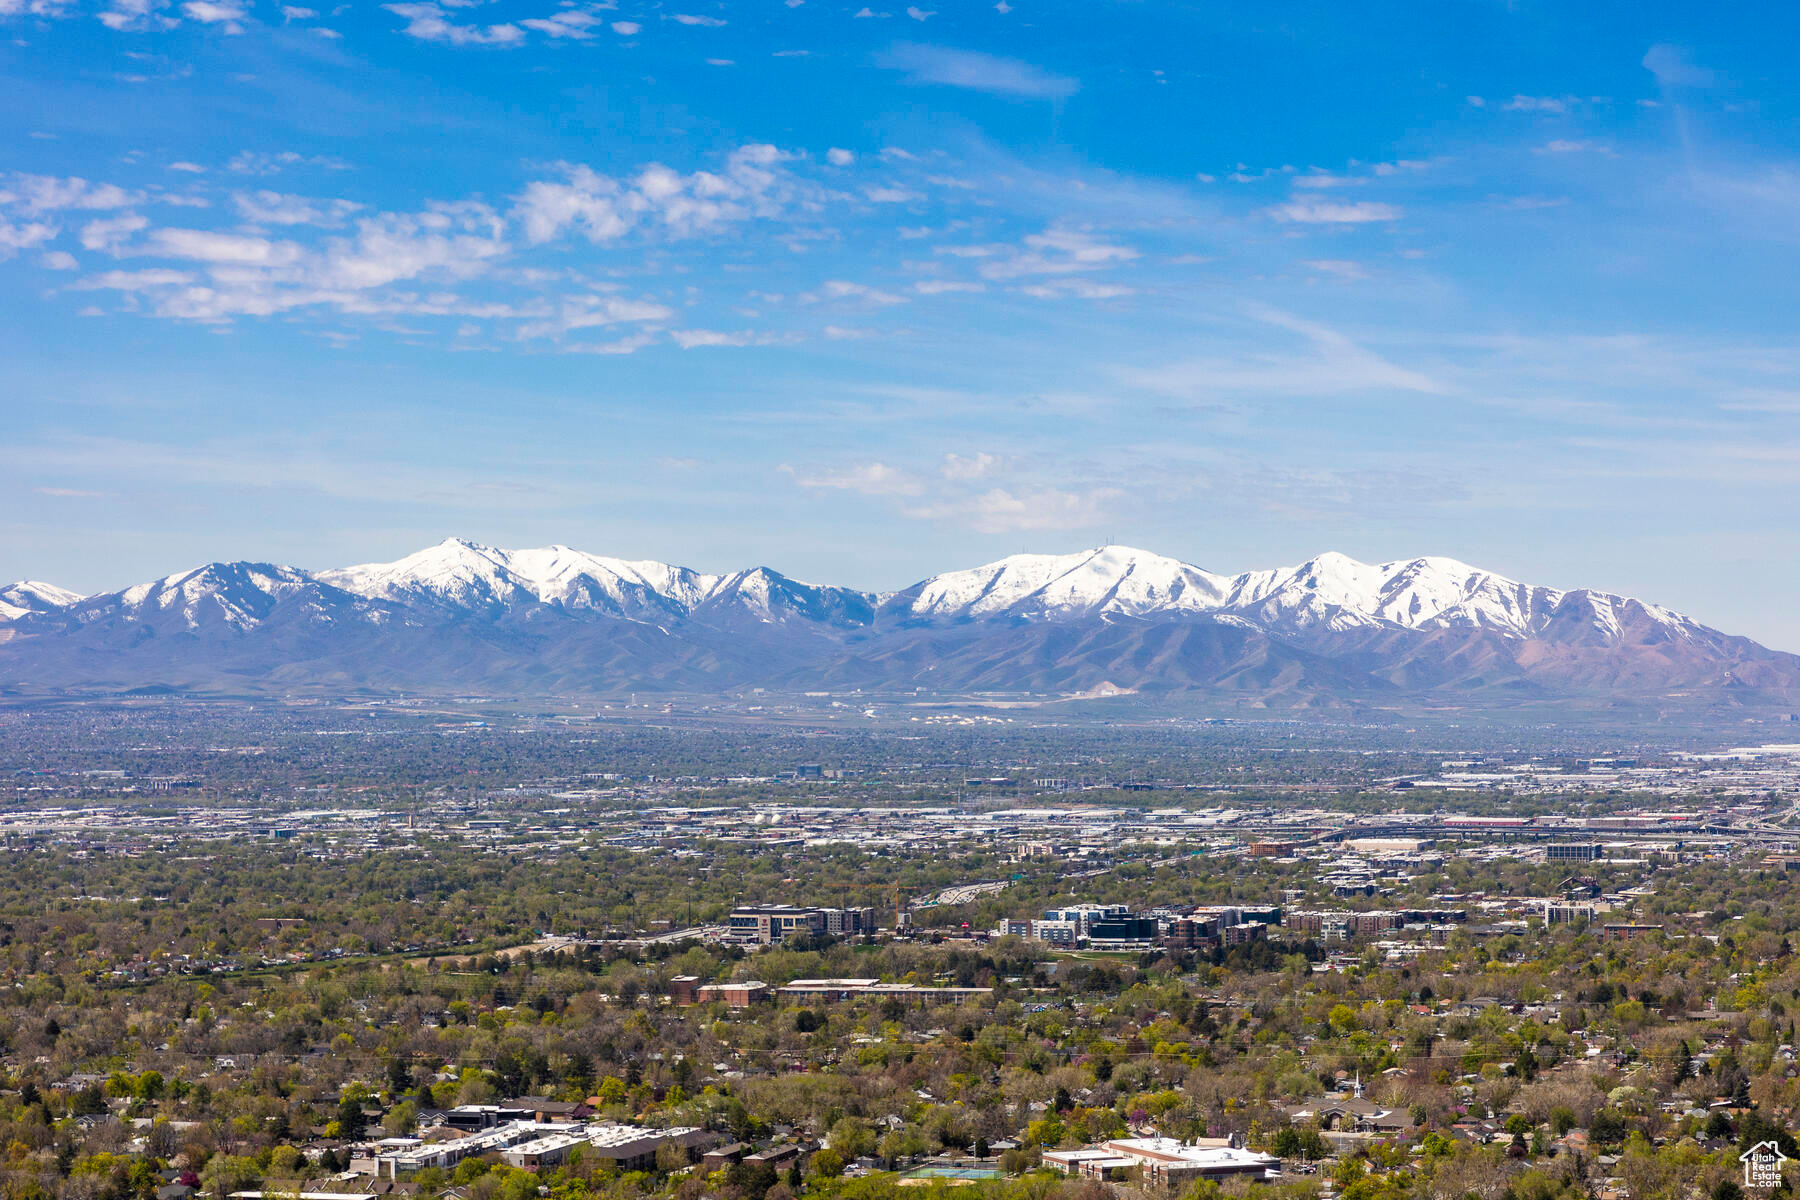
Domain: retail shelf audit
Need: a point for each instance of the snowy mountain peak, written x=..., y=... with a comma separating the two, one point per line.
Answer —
x=459, y=573
x=1107, y=579
x=238, y=594
x=30, y=595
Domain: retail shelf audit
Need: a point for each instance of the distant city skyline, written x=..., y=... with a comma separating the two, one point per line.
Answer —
x=866, y=293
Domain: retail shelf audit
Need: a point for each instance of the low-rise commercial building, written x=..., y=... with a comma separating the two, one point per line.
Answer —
x=1164, y=1161
x=737, y=995
x=851, y=989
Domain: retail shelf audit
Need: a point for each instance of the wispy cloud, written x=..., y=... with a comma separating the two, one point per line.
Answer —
x=1544, y=104
x=1338, y=267
x=972, y=69
x=266, y=207
x=1674, y=69
x=1059, y=251
x=849, y=290
x=1005, y=510
x=1329, y=363
x=1574, y=146
x=272, y=162
x=867, y=479
x=1325, y=212
x=961, y=495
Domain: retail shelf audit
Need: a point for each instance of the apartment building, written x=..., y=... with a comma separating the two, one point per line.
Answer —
x=767, y=924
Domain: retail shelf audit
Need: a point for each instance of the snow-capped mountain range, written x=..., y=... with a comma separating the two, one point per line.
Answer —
x=459, y=614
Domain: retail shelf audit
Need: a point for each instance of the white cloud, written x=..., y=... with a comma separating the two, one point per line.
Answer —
x=137, y=14
x=26, y=236
x=839, y=158
x=1080, y=289
x=255, y=162
x=136, y=281
x=589, y=201
x=691, y=19
x=455, y=239
x=250, y=276
x=294, y=12
x=1053, y=252
x=48, y=193
x=844, y=289
x=1567, y=146
x=1546, y=104
x=576, y=23
x=869, y=479
x=59, y=260
x=752, y=185
x=890, y=195
x=428, y=22
x=200, y=245
x=960, y=468
x=229, y=13
x=1000, y=510
x=1673, y=68
x=949, y=492
x=630, y=344
x=274, y=208
x=976, y=71
x=938, y=287
x=1318, y=212
x=1341, y=268
x=277, y=260
x=32, y=8
x=591, y=312
x=919, y=14
x=108, y=233
x=1529, y=203
x=188, y=168
x=626, y=28
x=693, y=339
x=70, y=493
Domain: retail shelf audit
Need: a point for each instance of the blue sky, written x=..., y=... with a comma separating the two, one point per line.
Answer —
x=866, y=293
